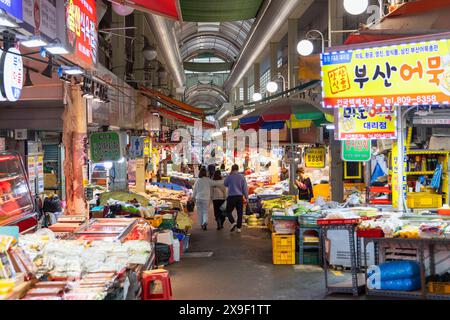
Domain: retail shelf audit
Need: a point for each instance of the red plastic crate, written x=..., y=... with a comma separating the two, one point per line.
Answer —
x=337, y=221
x=371, y=233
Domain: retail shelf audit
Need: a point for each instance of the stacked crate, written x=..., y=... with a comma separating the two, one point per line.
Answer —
x=283, y=248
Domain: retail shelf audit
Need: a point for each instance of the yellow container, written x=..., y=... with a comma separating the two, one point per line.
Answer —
x=283, y=248
x=439, y=287
x=423, y=200
x=284, y=257
x=155, y=221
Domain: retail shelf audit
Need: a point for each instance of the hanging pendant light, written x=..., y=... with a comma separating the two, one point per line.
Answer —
x=28, y=82
x=48, y=71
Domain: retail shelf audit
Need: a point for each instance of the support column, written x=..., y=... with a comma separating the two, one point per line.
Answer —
x=74, y=138
x=273, y=59
x=245, y=85
x=336, y=170
x=257, y=77
x=292, y=52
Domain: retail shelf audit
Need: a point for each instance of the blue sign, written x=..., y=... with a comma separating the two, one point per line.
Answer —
x=136, y=147
x=12, y=7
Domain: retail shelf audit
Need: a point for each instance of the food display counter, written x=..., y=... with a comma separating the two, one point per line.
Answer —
x=16, y=201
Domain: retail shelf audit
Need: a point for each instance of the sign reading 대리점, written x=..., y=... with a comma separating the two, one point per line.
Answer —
x=405, y=74
x=356, y=150
x=81, y=24
x=105, y=146
x=376, y=122
x=315, y=157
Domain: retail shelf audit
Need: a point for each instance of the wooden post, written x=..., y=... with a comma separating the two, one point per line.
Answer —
x=74, y=138
x=336, y=170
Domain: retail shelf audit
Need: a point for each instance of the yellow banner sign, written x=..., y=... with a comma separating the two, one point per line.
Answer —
x=315, y=157
x=366, y=123
x=406, y=74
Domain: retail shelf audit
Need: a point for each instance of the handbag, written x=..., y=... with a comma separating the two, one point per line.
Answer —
x=190, y=205
x=223, y=207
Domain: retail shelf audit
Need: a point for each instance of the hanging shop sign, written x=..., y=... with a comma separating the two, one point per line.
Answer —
x=315, y=157
x=105, y=146
x=12, y=7
x=81, y=29
x=147, y=146
x=136, y=147
x=356, y=150
x=11, y=74
x=40, y=18
x=356, y=123
x=404, y=74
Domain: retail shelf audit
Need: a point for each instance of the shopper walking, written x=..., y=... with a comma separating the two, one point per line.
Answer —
x=237, y=189
x=202, y=197
x=218, y=196
x=305, y=188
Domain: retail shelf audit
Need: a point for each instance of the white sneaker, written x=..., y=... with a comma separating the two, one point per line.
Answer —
x=238, y=230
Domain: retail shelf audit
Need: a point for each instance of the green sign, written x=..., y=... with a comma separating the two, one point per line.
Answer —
x=356, y=150
x=105, y=146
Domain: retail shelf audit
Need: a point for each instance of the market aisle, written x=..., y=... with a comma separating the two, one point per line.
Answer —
x=241, y=268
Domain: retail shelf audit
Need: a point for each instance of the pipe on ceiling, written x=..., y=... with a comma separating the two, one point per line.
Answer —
x=164, y=32
x=271, y=18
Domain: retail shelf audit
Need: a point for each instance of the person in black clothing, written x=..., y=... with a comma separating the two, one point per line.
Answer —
x=305, y=189
x=218, y=195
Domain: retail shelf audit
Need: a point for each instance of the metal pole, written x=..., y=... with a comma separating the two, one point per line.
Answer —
x=329, y=23
x=400, y=156
x=292, y=173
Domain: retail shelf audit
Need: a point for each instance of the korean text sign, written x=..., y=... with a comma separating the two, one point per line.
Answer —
x=315, y=157
x=356, y=150
x=105, y=146
x=360, y=123
x=406, y=74
x=13, y=7
x=81, y=23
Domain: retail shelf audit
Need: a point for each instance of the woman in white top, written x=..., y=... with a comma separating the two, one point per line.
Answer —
x=202, y=196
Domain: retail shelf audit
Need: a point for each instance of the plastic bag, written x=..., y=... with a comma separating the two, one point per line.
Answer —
x=394, y=270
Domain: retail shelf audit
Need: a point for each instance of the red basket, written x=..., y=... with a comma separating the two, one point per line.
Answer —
x=337, y=221
x=370, y=233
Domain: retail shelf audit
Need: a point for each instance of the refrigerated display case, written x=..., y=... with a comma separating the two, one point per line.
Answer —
x=16, y=201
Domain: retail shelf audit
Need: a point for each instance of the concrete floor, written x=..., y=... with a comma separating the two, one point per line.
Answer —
x=241, y=268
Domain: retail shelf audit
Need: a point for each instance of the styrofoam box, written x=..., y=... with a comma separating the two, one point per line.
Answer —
x=340, y=249
x=165, y=237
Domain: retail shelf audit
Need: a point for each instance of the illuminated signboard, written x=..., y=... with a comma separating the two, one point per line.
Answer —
x=359, y=123
x=13, y=7
x=315, y=157
x=406, y=74
x=81, y=24
x=356, y=150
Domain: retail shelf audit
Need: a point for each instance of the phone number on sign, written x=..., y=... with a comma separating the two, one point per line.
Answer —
x=407, y=100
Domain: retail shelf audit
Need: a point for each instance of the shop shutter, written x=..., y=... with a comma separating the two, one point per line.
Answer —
x=51, y=152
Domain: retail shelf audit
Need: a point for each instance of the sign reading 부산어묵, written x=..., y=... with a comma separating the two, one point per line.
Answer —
x=105, y=146
x=356, y=150
x=404, y=74
x=359, y=123
x=315, y=157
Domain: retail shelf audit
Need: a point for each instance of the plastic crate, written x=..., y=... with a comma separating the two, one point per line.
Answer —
x=306, y=220
x=371, y=233
x=439, y=287
x=284, y=257
x=284, y=226
x=311, y=258
x=338, y=221
x=283, y=241
x=423, y=200
x=155, y=221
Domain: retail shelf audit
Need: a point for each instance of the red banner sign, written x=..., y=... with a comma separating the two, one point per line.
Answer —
x=81, y=23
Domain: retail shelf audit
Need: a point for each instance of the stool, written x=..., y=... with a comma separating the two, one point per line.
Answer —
x=161, y=275
x=165, y=179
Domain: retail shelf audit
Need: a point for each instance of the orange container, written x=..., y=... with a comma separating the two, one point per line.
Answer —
x=444, y=211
